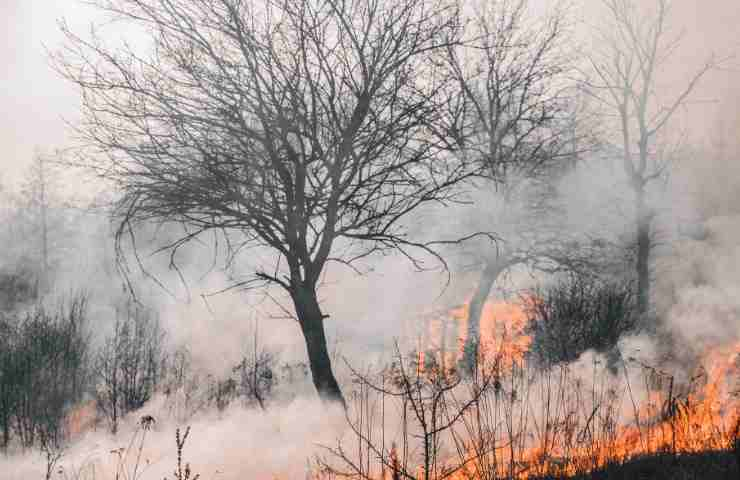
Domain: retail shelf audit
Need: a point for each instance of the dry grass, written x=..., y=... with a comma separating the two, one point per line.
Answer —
x=513, y=420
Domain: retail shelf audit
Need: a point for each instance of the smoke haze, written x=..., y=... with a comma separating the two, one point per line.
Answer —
x=697, y=284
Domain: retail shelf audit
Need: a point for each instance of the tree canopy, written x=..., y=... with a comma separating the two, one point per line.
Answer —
x=311, y=127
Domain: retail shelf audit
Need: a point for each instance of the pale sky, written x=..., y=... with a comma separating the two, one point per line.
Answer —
x=35, y=99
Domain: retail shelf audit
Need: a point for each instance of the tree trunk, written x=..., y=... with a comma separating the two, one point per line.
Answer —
x=6, y=432
x=311, y=321
x=472, y=339
x=644, y=220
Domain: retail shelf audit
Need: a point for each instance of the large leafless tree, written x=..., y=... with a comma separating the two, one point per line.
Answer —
x=313, y=128
x=627, y=72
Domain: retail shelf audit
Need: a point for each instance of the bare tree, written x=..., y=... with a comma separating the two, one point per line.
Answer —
x=519, y=124
x=312, y=128
x=41, y=173
x=536, y=236
x=36, y=222
x=39, y=197
x=626, y=80
x=512, y=73
x=129, y=364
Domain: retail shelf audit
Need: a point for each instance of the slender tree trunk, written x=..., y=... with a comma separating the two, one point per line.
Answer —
x=44, y=237
x=43, y=211
x=644, y=220
x=311, y=320
x=443, y=345
x=6, y=431
x=488, y=277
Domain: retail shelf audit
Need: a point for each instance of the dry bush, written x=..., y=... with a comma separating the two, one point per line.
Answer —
x=578, y=314
x=43, y=372
x=128, y=367
x=17, y=287
x=253, y=382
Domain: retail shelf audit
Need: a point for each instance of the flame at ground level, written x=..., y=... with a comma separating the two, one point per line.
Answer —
x=503, y=334
x=702, y=414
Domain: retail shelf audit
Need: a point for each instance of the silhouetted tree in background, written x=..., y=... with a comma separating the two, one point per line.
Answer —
x=36, y=225
x=625, y=81
x=520, y=123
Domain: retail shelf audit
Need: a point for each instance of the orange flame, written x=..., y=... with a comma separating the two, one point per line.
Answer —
x=502, y=330
x=705, y=418
x=80, y=419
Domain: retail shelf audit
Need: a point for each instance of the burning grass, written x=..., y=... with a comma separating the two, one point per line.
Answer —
x=594, y=418
x=524, y=424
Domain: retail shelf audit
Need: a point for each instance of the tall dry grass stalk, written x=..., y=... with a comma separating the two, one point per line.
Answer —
x=516, y=420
